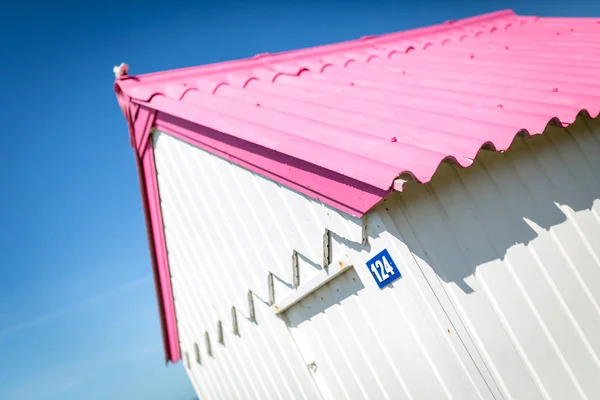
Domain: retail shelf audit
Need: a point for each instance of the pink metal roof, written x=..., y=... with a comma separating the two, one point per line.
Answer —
x=377, y=107
x=342, y=122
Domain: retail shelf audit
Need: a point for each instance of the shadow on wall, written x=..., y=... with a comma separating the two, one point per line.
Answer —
x=465, y=218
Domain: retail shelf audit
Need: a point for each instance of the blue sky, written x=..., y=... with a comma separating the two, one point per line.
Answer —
x=78, y=316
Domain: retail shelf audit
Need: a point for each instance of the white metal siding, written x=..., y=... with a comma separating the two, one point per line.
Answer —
x=226, y=230
x=511, y=247
x=499, y=296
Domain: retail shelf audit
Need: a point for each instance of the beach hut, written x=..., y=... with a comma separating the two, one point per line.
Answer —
x=407, y=216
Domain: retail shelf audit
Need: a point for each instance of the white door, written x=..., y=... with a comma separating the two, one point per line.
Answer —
x=361, y=341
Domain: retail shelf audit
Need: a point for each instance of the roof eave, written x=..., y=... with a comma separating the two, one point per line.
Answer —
x=125, y=104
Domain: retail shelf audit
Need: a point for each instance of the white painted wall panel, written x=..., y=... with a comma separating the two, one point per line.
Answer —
x=511, y=247
x=226, y=230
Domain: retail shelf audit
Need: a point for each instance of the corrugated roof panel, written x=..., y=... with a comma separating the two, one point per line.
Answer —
x=377, y=107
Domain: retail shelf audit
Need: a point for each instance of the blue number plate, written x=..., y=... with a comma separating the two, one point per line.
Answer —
x=383, y=269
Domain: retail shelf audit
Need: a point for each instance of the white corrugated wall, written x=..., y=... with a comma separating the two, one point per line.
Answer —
x=226, y=230
x=511, y=247
x=498, y=298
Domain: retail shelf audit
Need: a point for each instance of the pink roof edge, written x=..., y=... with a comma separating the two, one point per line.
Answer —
x=341, y=122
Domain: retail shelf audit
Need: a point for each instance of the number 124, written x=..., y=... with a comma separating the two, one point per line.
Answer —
x=382, y=269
